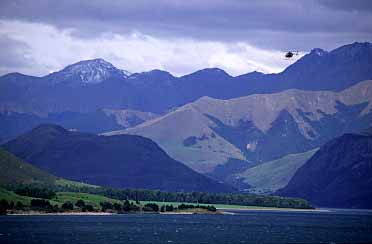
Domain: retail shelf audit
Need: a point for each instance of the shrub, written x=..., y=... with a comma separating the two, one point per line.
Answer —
x=185, y=206
x=134, y=208
x=80, y=203
x=105, y=206
x=19, y=206
x=88, y=208
x=211, y=208
x=153, y=206
x=67, y=206
x=117, y=207
x=41, y=204
x=126, y=206
x=169, y=208
x=4, y=205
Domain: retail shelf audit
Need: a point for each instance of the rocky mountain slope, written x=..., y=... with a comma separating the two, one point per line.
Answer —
x=338, y=175
x=117, y=161
x=257, y=128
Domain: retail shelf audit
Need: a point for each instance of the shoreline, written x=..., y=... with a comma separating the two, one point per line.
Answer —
x=64, y=213
x=223, y=211
x=274, y=209
x=105, y=214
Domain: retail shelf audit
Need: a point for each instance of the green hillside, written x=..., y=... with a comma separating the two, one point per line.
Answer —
x=15, y=171
x=12, y=197
x=61, y=197
x=271, y=176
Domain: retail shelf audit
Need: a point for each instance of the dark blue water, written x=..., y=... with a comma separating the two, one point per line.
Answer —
x=245, y=227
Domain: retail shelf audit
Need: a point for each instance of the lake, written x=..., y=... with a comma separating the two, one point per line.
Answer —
x=244, y=227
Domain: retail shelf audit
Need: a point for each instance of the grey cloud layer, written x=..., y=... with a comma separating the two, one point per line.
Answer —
x=178, y=35
x=267, y=24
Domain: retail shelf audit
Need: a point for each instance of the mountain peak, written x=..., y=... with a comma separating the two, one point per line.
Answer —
x=48, y=131
x=88, y=71
x=159, y=72
x=213, y=71
x=318, y=51
x=155, y=74
x=15, y=75
x=252, y=75
x=49, y=127
x=210, y=72
x=94, y=63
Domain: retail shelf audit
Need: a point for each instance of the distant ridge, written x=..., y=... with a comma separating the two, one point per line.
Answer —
x=90, y=85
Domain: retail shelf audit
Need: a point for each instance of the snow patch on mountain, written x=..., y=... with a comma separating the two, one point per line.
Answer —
x=89, y=71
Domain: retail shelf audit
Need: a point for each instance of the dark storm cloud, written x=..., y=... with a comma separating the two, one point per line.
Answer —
x=268, y=24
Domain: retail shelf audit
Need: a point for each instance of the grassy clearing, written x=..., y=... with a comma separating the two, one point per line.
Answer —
x=61, y=198
x=13, y=197
x=91, y=199
x=69, y=183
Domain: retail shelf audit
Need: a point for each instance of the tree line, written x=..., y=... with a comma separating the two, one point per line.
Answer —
x=44, y=205
x=197, y=197
x=243, y=199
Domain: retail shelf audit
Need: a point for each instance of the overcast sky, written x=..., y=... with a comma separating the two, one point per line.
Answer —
x=180, y=36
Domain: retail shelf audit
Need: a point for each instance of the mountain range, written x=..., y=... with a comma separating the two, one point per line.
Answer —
x=95, y=84
x=117, y=161
x=257, y=128
x=77, y=96
x=253, y=132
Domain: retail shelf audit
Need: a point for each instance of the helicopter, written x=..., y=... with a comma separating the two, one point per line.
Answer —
x=290, y=54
